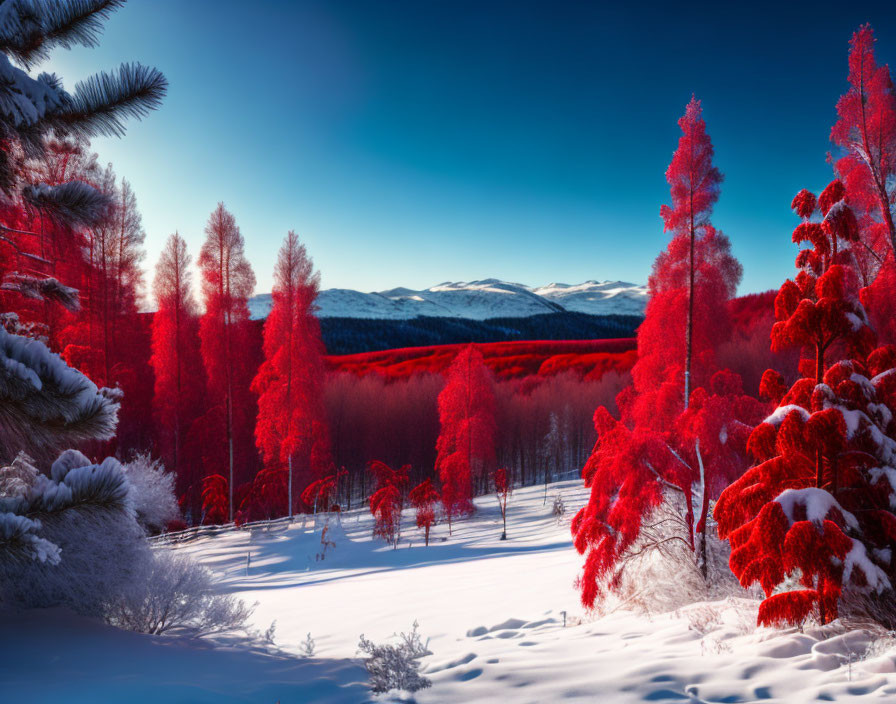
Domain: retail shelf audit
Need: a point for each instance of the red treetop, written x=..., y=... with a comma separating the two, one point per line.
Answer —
x=866, y=130
x=693, y=179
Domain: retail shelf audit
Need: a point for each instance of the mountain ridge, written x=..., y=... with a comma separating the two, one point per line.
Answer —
x=475, y=300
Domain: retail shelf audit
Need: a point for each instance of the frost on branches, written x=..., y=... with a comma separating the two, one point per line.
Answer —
x=68, y=539
x=817, y=507
x=45, y=404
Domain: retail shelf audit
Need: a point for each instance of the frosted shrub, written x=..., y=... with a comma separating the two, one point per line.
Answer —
x=152, y=492
x=70, y=539
x=308, y=647
x=396, y=666
x=175, y=594
x=659, y=572
x=558, y=508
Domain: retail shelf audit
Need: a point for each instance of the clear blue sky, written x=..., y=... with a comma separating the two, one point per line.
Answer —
x=416, y=141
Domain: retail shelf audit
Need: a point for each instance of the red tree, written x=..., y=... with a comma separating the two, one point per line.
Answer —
x=292, y=426
x=466, y=444
x=215, y=501
x=179, y=382
x=502, y=490
x=266, y=497
x=866, y=131
x=424, y=498
x=227, y=283
x=694, y=182
x=653, y=453
x=321, y=492
x=386, y=502
x=817, y=504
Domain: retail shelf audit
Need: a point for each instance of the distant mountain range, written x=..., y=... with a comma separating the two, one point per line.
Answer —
x=475, y=300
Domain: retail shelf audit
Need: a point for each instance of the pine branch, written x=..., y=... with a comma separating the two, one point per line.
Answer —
x=73, y=203
x=31, y=28
x=42, y=289
x=100, y=103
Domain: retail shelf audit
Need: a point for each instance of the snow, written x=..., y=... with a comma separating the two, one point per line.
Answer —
x=503, y=621
x=817, y=502
x=857, y=558
x=475, y=300
x=781, y=412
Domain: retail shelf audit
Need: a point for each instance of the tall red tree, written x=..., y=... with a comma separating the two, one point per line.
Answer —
x=292, y=426
x=466, y=444
x=694, y=182
x=866, y=131
x=108, y=339
x=652, y=454
x=177, y=365
x=227, y=283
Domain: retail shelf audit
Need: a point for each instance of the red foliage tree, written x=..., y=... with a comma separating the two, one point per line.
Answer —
x=320, y=492
x=215, y=499
x=653, y=453
x=386, y=502
x=266, y=497
x=424, y=498
x=227, y=283
x=502, y=489
x=466, y=444
x=108, y=339
x=292, y=425
x=866, y=131
x=817, y=505
x=694, y=182
x=177, y=367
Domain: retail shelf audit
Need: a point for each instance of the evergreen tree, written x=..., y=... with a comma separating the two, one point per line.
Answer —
x=227, y=283
x=292, y=426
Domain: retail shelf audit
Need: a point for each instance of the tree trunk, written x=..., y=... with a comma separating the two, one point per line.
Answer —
x=690, y=324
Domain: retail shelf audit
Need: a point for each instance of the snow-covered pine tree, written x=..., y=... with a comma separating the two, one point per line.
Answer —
x=818, y=505
x=70, y=537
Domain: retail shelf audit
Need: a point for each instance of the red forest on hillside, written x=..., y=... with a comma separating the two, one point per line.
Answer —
x=506, y=360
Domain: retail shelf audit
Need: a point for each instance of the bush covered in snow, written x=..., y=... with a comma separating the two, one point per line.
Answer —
x=175, y=594
x=70, y=539
x=396, y=666
x=152, y=491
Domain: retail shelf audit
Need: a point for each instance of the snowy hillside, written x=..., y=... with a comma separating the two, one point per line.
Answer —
x=476, y=300
x=503, y=621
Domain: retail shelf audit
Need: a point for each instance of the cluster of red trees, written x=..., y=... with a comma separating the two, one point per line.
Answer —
x=802, y=480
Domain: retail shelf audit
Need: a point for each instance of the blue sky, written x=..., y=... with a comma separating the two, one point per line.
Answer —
x=413, y=142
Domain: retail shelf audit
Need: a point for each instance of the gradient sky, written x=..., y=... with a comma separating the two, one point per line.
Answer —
x=411, y=142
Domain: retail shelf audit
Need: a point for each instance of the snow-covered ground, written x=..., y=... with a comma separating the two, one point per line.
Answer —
x=475, y=300
x=493, y=612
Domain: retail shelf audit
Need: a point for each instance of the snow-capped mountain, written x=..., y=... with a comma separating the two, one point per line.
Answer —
x=475, y=300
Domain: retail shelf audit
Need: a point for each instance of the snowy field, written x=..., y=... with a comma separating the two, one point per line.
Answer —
x=493, y=612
